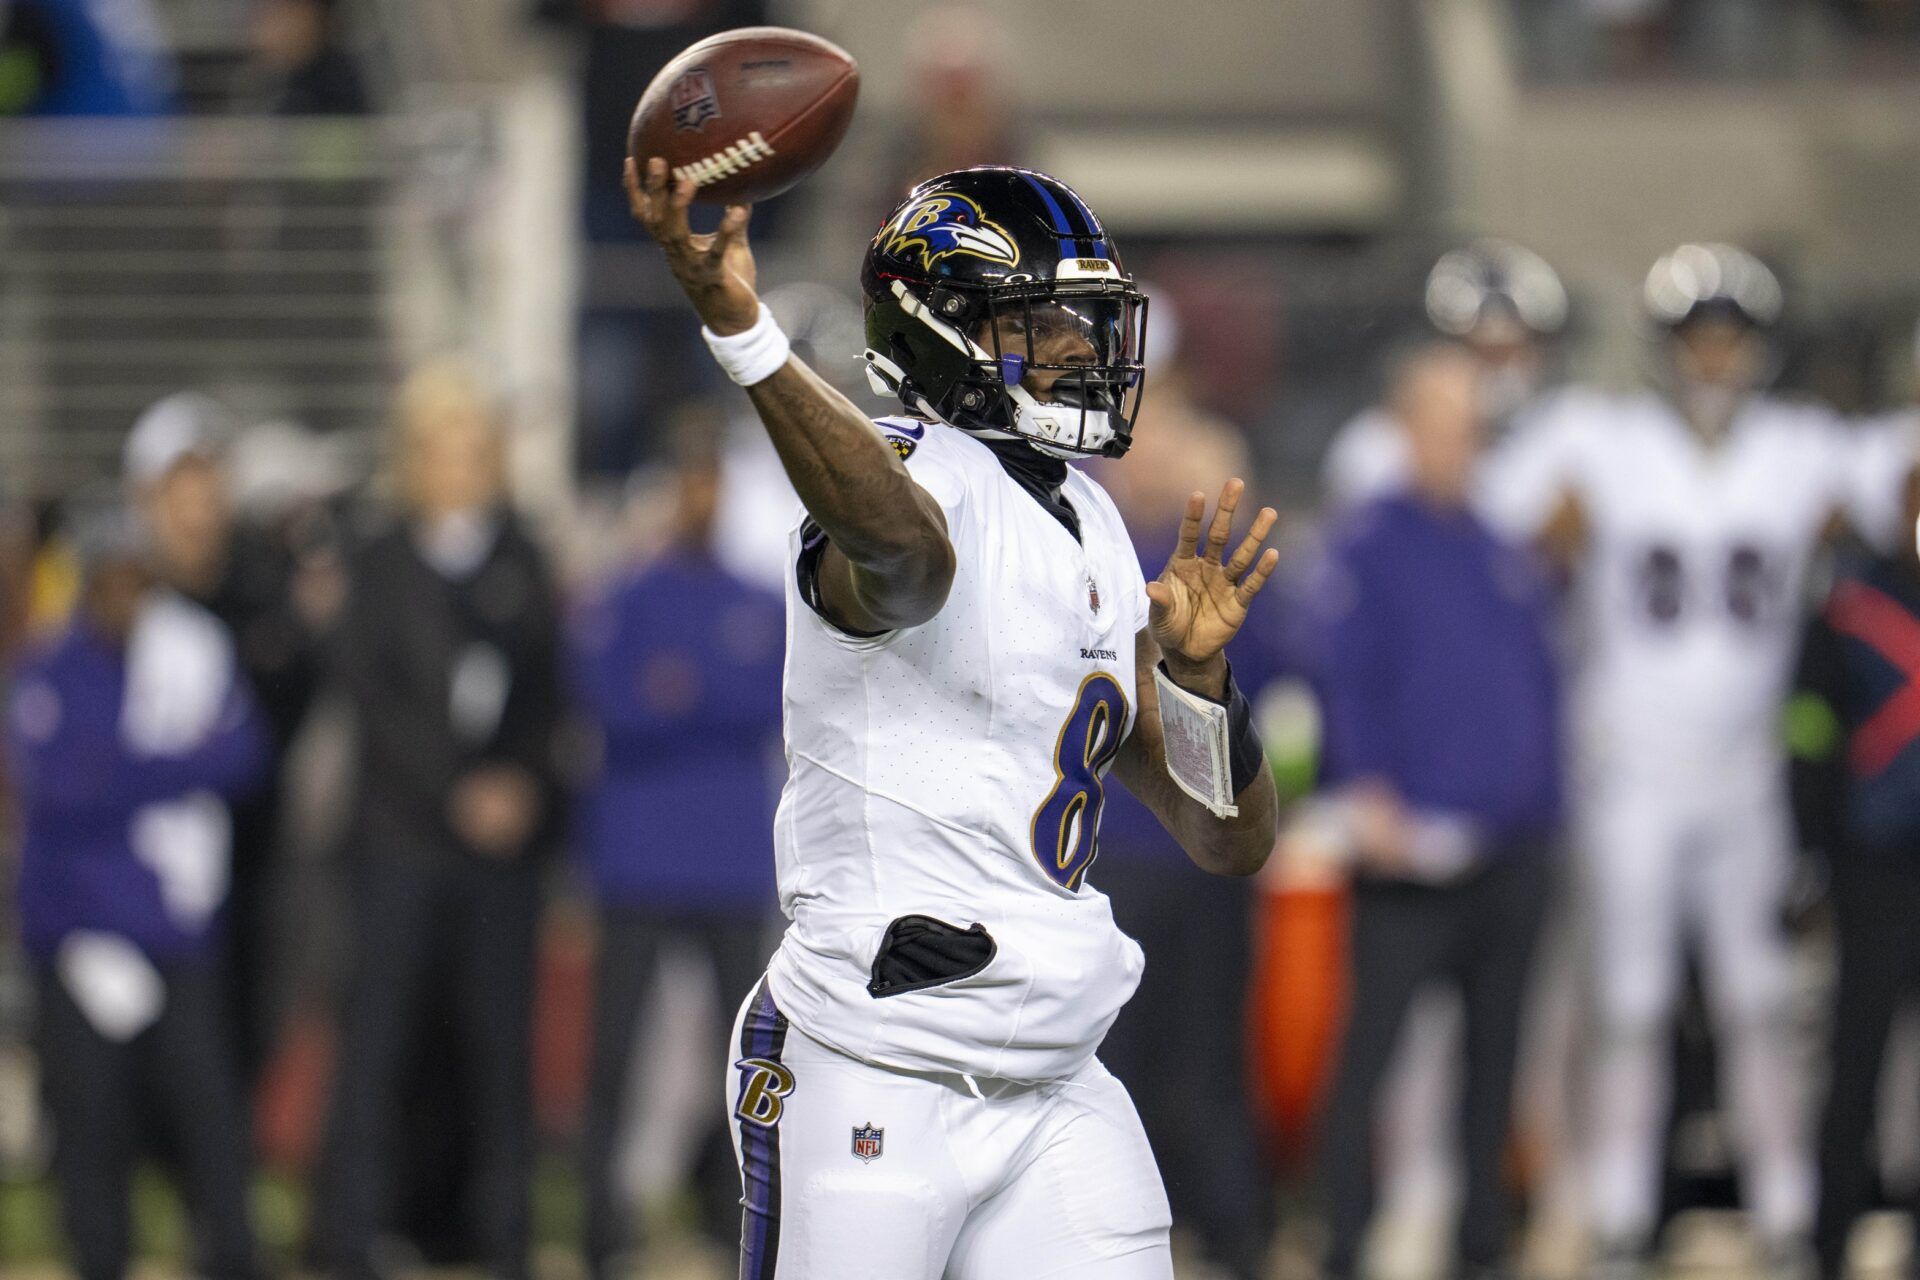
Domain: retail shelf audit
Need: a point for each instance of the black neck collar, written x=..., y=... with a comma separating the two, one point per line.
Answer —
x=1042, y=477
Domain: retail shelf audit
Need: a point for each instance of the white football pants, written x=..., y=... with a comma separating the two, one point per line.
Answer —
x=1667, y=864
x=858, y=1172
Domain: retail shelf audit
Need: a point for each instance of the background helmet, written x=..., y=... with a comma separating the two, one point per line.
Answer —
x=1492, y=280
x=1712, y=279
x=967, y=273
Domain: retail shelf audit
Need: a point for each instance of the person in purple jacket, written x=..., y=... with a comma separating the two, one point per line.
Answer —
x=1440, y=698
x=677, y=666
x=127, y=735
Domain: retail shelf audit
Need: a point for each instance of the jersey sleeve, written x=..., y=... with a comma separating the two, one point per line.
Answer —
x=1869, y=464
x=1524, y=478
x=1368, y=457
x=933, y=467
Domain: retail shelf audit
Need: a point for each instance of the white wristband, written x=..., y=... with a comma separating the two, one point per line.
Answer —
x=753, y=356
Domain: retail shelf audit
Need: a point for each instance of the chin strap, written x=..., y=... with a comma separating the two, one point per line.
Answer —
x=1048, y=426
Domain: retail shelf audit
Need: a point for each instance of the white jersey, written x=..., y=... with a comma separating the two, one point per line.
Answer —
x=1691, y=593
x=953, y=770
x=1366, y=459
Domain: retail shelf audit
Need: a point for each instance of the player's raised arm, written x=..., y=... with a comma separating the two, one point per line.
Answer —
x=1199, y=602
x=889, y=562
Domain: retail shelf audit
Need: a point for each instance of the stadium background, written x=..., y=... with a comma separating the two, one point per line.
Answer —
x=1283, y=172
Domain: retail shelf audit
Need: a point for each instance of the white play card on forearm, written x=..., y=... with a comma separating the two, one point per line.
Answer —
x=1195, y=731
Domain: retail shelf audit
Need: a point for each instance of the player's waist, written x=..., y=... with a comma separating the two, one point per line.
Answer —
x=933, y=988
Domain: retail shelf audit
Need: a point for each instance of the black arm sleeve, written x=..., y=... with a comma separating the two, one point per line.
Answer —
x=813, y=546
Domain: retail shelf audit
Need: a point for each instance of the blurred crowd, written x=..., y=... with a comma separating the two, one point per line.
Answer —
x=79, y=58
x=82, y=57
x=176, y=660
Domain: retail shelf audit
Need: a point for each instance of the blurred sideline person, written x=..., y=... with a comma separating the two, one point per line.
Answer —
x=174, y=465
x=1689, y=517
x=298, y=60
x=1181, y=1041
x=965, y=107
x=82, y=58
x=1507, y=306
x=1440, y=692
x=448, y=655
x=1856, y=779
x=128, y=733
x=677, y=668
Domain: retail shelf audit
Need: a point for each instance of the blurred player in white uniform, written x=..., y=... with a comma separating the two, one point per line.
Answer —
x=1506, y=305
x=970, y=649
x=1691, y=516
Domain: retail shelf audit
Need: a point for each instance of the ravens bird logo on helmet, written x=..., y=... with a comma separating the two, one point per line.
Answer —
x=942, y=225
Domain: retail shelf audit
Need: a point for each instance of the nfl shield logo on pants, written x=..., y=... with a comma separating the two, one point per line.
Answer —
x=866, y=1142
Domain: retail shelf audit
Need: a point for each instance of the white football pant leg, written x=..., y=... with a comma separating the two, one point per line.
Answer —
x=813, y=1208
x=855, y=1172
x=1086, y=1204
x=1418, y=1117
x=1631, y=857
x=1744, y=869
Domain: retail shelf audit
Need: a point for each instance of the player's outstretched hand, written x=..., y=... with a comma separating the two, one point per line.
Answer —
x=716, y=270
x=1200, y=599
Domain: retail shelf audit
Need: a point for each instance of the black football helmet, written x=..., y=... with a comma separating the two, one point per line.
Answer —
x=976, y=273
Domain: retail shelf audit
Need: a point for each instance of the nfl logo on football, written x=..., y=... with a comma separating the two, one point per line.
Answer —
x=866, y=1142
x=693, y=100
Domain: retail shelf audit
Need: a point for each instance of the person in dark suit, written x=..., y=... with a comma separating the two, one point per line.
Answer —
x=677, y=666
x=448, y=654
x=1439, y=687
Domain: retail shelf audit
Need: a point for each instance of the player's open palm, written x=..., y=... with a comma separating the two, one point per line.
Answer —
x=715, y=270
x=1200, y=599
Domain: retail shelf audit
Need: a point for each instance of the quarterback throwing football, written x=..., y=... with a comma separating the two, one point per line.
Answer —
x=971, y=647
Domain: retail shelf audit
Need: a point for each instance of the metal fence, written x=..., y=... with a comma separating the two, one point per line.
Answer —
x=271, y=262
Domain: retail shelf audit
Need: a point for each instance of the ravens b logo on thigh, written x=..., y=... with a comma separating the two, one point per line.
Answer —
x=763, y=1091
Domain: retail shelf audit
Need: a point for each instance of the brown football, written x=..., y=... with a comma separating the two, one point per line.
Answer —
x=747, y=113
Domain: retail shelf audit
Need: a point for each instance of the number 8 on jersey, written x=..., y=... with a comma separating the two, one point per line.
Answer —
x=1066, y=827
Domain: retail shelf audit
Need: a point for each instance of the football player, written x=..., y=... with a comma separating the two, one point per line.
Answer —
x=1506, y=305
x=1690, y=517
x=971, y=647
